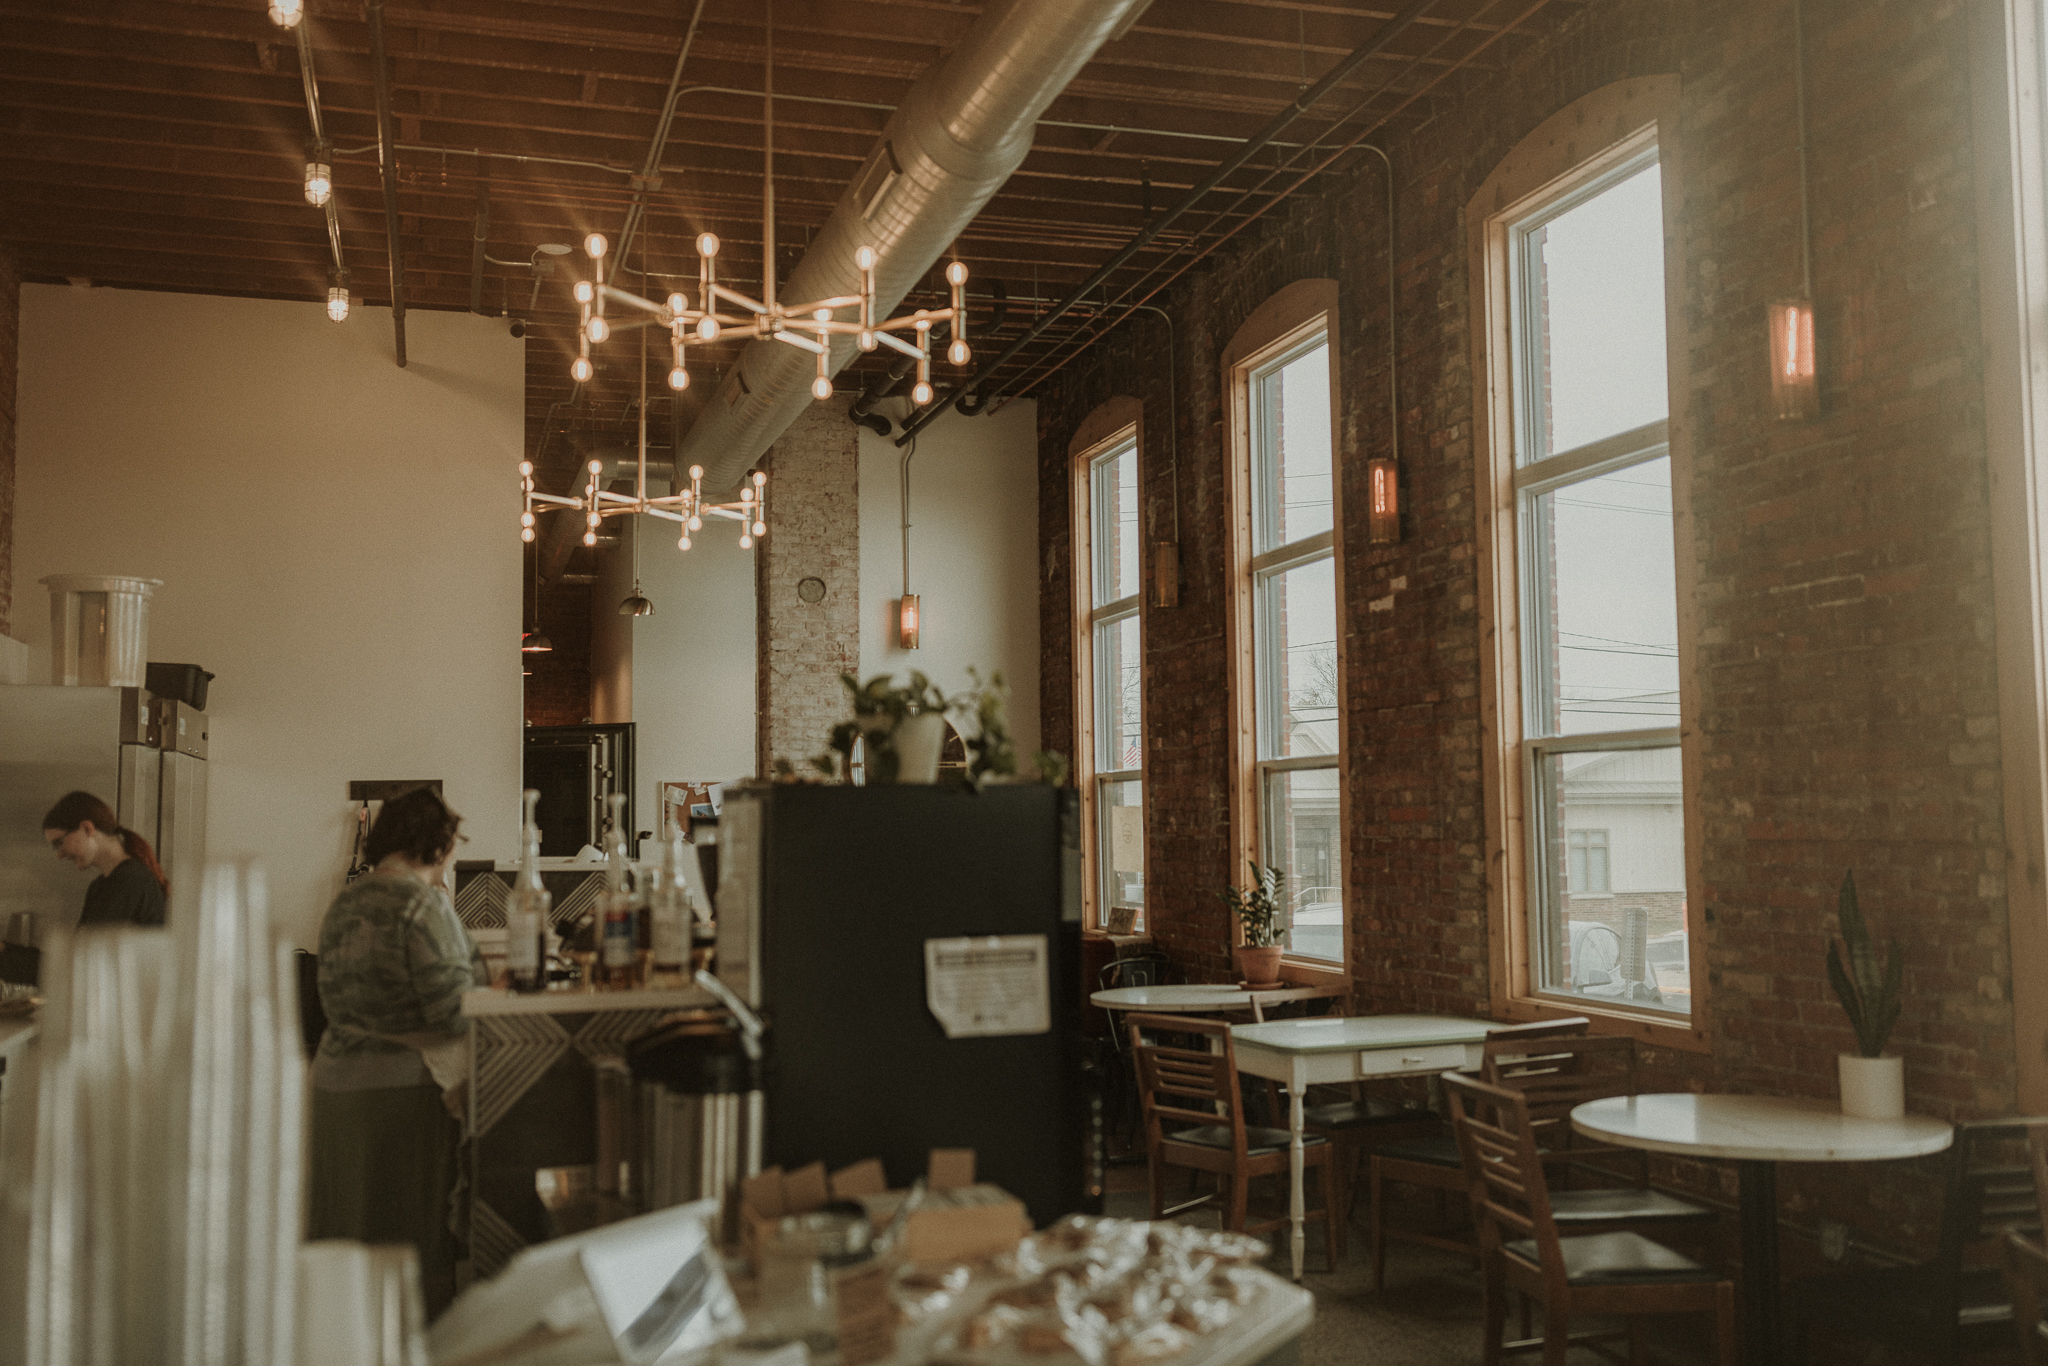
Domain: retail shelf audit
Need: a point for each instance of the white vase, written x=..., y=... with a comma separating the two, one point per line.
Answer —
x=1873, y=1088
x=918, y=740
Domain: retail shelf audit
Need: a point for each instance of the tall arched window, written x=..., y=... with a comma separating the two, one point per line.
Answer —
x=1286, y=622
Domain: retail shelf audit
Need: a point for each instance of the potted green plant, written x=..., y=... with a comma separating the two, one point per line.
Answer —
x=900, y=730
x=1257, y=909
x=1873, y=1084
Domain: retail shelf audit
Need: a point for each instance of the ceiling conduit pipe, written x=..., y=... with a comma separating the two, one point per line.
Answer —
x=886, y=384
x=1300, y=105
x=387, y=158
x=960, y=132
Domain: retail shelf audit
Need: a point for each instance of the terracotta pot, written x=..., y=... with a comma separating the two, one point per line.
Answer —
x=1872, y=1088
x=1259, y=966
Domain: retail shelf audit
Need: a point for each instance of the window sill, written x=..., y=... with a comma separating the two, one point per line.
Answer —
x=1654, y=1028
x=1313, y=973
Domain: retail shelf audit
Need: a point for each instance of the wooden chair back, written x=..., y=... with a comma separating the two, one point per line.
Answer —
x=1503, y=1169
x=1553, y=1075
x=1195, y=1086
x=1991, y=1189
x=2026, y=1276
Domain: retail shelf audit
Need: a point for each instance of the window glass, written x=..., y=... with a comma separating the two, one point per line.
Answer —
x=1614, y=924
x=1291, y=463
x=1593, y=291
x=1123, y=843
x=1119, y=738
x=1610, y=619
x=1304, y=839
x=1298, y=680
x=1114, y=478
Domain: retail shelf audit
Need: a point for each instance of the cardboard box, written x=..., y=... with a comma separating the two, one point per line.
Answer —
x=957, y=1219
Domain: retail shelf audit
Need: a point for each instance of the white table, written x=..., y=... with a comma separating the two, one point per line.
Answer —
x=1199, y=1000
x=1302, y=1053
x=1757, y=1133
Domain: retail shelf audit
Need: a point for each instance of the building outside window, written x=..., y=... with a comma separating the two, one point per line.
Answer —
x=1115, y=695
x=1295, y=676
x=1598, y=592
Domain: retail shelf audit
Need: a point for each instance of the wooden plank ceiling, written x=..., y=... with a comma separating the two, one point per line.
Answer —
x=159, y=144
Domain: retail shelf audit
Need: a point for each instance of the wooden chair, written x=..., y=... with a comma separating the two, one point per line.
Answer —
x=1138, y=970
x=1958, y=1301
x=1431, y=1162
x=1200, y=1090
x=2026, y=1280
x=1609, y=1273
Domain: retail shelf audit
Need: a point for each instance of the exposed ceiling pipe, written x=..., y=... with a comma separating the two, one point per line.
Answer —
x=387, y=159
x=311, y=82
x=649, y=178
x=1279, y=124
x=960, y=132
x=479, y=241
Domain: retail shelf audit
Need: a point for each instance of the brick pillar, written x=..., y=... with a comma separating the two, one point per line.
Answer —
x=10, y=347
x=813, y=532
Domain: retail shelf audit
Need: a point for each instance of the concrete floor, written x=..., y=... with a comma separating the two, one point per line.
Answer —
x=1429, y=1314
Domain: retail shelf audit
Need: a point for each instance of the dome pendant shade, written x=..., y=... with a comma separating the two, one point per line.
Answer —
x=636, y=605
x=537, y=643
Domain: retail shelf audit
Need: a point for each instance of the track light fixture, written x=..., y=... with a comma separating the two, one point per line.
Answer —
x=287, y=13
x=337, y=296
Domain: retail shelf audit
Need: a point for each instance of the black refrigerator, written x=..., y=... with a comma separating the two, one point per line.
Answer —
x=831, y=901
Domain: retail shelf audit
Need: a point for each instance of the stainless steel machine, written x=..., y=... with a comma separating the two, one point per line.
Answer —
x=144, y=754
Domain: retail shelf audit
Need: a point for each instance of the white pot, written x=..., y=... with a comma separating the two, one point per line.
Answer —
x=1873, y=1088
x=918, y=740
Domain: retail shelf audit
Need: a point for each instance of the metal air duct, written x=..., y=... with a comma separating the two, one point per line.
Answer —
x=960, y=132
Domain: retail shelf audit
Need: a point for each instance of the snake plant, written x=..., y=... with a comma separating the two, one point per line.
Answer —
x=1868, y=993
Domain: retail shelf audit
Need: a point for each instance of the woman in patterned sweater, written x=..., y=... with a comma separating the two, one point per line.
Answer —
x=394, y=962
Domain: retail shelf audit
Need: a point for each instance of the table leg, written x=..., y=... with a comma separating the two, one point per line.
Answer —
x=1296, y=1215
x=1759, y=1218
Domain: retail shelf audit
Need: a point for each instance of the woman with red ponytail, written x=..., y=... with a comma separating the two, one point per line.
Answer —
x=131, y=887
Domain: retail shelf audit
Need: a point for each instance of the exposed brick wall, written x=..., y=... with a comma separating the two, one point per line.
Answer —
x=558, y=689
x=814, y=532
x=1845, y=696
x=10, y=349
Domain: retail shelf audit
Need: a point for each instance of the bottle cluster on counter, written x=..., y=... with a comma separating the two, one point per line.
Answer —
x=647, y=928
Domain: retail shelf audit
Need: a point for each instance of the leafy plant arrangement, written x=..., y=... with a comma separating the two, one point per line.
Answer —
x=1869, y=994
x=879, y=707
x=1257, y=907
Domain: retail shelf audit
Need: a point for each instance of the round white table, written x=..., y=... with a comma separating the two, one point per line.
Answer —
x=1201, y=999
x=1757, y=1132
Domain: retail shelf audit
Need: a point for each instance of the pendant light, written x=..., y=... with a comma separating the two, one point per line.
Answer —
x=637, y=605
x=536, y=642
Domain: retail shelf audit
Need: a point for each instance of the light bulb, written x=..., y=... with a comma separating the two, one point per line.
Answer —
x=956, y=274
x=592, y=518
x=760, y=528
x=746, y=495
x=584, y=293
x=595, y=467
x=759, y=478
x=594, y=246
x=746, y=542
x=866, y=341
x=958, y=353
x=864, y=257
x=707, y=328
x=319, y=183
x=679, y=379
x=921, y=393
x=821, y=388
x=695, y=524
x=526, y=519
x=287, y=13
x=598, y=329
x=822, y=315
x=526, y=535
x=696, y=471
x=678, y=302
x=526, y=469
x=590, y=538
x=707, y=245
x=580, y=370
x=337, y=303
x=683, y=541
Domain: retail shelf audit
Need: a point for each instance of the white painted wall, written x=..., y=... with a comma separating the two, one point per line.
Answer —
x=973, y=555
x=691, y=664
x=336, y=536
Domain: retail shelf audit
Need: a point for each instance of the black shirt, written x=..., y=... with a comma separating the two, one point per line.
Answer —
x=126, y=896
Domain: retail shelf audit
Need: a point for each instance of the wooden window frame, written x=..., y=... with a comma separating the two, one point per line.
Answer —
x=1586, y=139
x=1111, y=424
x=1280, y=324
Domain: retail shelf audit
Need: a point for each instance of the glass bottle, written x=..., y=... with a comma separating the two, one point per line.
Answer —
x=526, y=913
x=618, y=960
x=669, y=908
